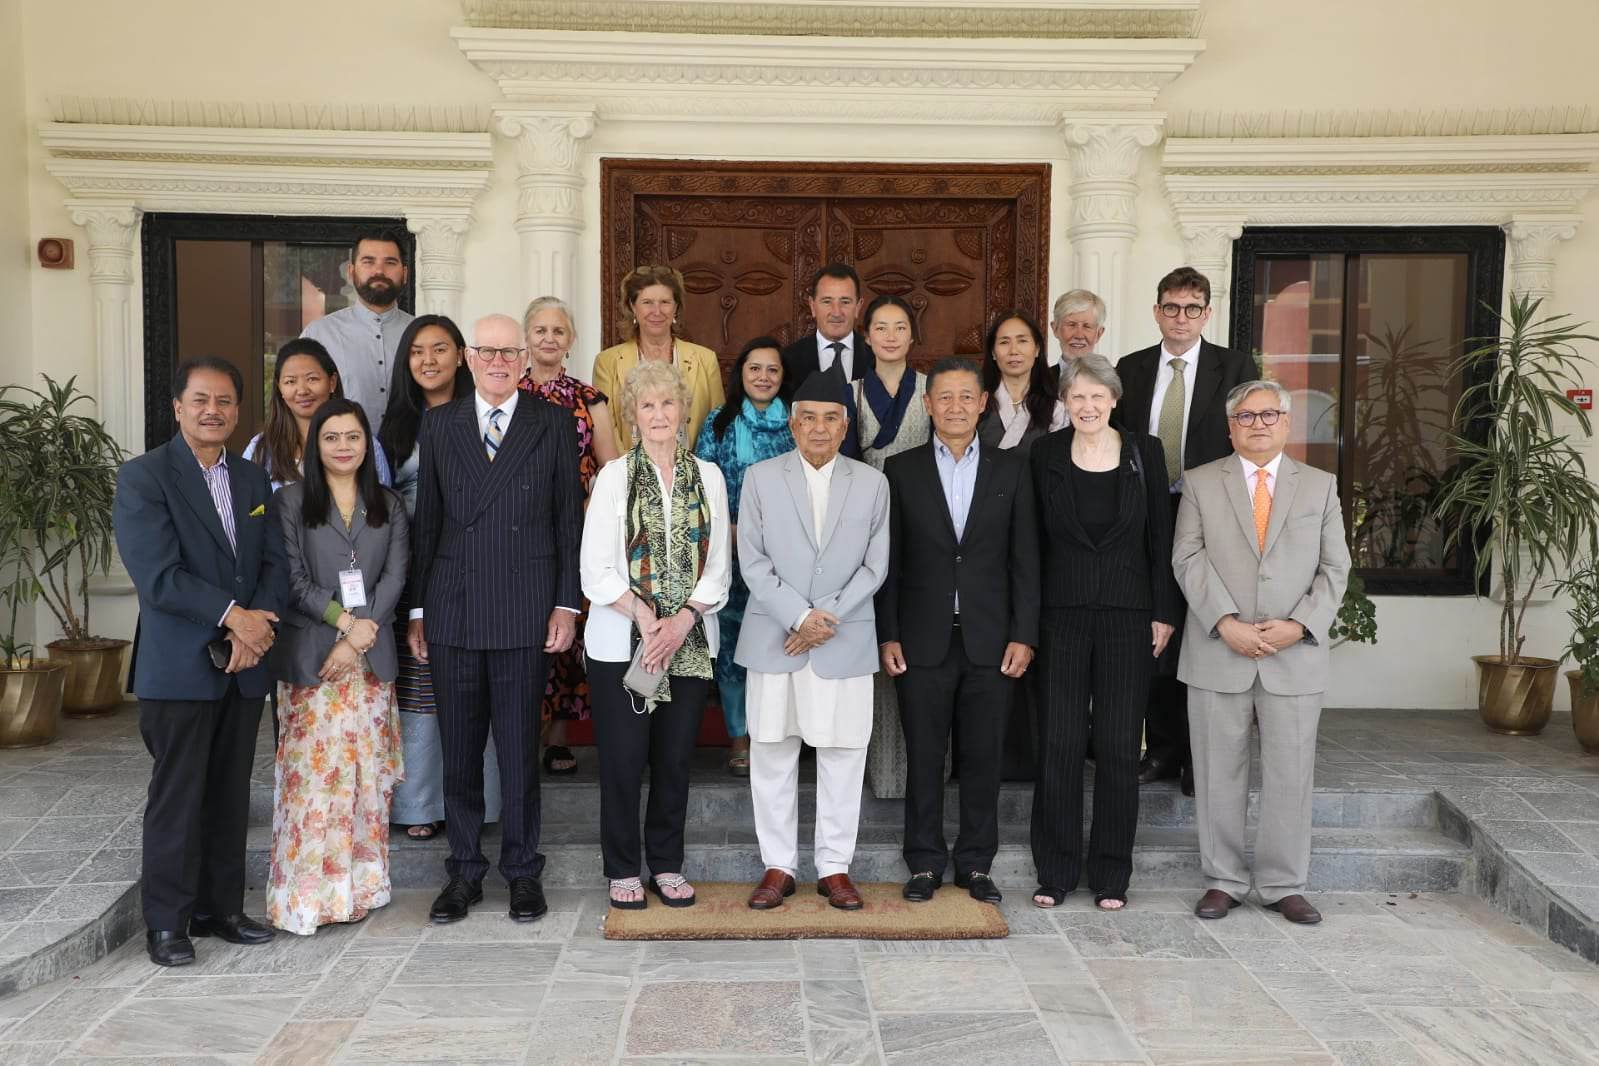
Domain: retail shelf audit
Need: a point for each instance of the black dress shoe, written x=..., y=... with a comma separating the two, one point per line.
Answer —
x=1151, y=769
x=235, y=928
x=980, y=887
x=920, y=888
x=1186, y=783
x=168, y=948
x=527, y=900
x=455, y=901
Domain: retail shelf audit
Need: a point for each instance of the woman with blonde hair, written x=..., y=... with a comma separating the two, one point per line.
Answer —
x=652, y=309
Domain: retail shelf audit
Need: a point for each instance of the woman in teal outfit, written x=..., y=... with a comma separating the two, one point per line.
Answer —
x=752, y=425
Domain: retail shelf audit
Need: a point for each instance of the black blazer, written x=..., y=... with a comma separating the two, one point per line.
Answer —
x=177, y=554
x=803, y=358
x=994, y=565
x=1131, y=567
x=494, y=546
x=1219, y=371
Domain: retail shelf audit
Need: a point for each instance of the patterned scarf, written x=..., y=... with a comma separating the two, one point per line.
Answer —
x=752, y=422
x=663, y=563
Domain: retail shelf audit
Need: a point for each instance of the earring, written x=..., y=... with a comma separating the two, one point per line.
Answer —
x=682, y=436
x=635, y=434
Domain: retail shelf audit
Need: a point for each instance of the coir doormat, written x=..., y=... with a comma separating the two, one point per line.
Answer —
x=723, y=914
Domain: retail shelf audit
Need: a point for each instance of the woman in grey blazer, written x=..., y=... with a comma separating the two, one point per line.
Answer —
x=339, y=754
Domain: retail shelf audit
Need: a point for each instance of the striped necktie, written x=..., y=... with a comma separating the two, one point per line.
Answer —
x=492, y=438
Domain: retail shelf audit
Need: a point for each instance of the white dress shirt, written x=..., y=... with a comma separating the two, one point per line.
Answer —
x=818, y=483
x=1271, y=475
x=364, y=345
x=824, y=354
x=484, y=408
x=603, y=569
x=1163, y=377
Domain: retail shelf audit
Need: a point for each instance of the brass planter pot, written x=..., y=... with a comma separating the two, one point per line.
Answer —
x=1516, y=698
x=94, y=676
x=30, y=704
x=1584, y=713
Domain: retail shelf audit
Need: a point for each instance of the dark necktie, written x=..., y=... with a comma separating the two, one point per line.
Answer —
x=838, y=354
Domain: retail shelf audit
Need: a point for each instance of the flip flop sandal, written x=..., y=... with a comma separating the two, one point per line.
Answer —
x=671, y=881
x=628, y=884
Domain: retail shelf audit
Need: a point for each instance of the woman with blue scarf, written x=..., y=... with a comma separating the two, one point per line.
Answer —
x=891, y=417
x=751, y=426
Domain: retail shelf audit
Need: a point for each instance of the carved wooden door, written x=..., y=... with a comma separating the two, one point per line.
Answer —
x=960, y=243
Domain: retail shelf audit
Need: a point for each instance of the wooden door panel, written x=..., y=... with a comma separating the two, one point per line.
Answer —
x=960, y=243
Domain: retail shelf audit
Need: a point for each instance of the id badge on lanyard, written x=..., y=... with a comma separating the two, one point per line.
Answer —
x=352, y=586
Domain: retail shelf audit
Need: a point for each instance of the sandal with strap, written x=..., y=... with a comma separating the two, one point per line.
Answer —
x=1102, y=898
x=628, y=884
x=1057, y=895
x=674, y=881
x=559, y=753
x=421, y=831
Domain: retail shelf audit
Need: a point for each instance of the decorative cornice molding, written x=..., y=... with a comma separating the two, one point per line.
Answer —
x=1531, y=153
x=848, y=18
x=1480, y=122
x=656, y=76
x=270, y=115
x=255, y=147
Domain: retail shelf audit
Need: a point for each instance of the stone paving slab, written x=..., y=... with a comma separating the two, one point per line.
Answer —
x=1385, y=979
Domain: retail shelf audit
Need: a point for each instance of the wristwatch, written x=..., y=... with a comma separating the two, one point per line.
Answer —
x=695, y=611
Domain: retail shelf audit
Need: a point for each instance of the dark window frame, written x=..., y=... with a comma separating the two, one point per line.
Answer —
x=1484, y=247
x=158, y=245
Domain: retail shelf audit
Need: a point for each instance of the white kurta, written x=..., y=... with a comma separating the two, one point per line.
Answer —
x=825, y=712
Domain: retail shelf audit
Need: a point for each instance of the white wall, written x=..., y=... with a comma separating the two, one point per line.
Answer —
x=16, y=245
x=1261, y=55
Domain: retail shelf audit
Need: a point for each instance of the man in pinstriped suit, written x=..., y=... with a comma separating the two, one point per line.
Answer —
x=495, y=568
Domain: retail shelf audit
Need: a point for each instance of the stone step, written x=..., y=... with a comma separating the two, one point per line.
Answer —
x=724, y=801
x=1344, y=860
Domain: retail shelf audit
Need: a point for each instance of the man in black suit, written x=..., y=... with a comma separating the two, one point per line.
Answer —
x=494, y=567
x=957, y=619
x=207, y=562
x=1177, y=391
x=835, y=301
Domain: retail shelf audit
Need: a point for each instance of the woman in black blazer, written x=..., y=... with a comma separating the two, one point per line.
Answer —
x=1109, y=606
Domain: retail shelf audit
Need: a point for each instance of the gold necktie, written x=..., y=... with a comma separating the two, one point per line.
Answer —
x=1170, y=427
x=1262, y=509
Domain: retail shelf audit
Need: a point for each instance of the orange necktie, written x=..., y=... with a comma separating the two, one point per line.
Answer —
x=1262, y=509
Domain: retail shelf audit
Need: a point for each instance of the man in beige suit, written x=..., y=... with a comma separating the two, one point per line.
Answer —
x=1261, y=558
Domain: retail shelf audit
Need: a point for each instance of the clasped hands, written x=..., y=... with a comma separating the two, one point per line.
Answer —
x=250, y=636
x=818, y=628
x=662, y=636
x=359, y=634
x=1260, y=639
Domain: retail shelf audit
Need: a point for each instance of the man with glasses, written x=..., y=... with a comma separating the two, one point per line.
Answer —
x=1176, y=391
x=1260, y=554
x=494, y=553
x=364, y=337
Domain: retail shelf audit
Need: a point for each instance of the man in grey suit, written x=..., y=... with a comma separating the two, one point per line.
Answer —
x=813, y=549
x=1261, y=558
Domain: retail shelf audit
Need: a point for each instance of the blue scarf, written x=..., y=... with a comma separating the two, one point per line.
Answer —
x=753, y=423
x=889, y=410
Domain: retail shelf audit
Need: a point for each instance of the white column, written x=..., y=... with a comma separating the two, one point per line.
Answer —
x=1208, y=247
x=549, y=210
x=1533, y=241
x=1103, y=152
x=113, y=226
x=440, y=261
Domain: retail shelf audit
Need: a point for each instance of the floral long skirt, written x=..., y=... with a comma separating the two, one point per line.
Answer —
x=337, y=762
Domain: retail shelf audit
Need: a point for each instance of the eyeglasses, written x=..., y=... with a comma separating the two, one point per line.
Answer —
x=1186, y=310
x=1247, y=418
x=504, y=355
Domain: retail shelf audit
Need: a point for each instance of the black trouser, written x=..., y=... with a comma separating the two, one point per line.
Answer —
x=199, y=805
x=975, y=702
x=627, y=739
x=1099, y=658
x=476, y=690
x=1166, y=710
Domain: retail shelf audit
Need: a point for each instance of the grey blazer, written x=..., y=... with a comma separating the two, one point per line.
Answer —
x=315, y=558
x=1301, y=575
x=788, y=572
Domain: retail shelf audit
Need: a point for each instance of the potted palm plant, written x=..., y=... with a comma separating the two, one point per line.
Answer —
x=1583, y=648
x=68, y=511
x=30, y=689
x=1520, y=493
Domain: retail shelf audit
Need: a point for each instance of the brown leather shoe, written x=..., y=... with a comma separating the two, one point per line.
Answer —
x=1215, y=904
x=774, y=886
x=1296, y=909
x=840, y=892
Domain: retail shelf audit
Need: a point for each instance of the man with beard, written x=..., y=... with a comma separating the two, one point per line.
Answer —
x=365, y=337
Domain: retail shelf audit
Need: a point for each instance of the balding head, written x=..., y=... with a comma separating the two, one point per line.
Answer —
x=497, y=357
x=497, y=331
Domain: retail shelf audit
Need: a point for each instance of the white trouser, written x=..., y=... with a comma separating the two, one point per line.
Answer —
x=774, y=788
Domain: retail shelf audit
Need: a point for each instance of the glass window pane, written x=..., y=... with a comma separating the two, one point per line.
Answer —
x=300, y=283
x=1411, y=318
x=1299, y=319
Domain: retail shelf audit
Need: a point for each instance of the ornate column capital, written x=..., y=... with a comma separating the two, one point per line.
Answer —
x=440, y=259
x=1533, y=241
x=547, y=148
x=112, y=226
x=1102, y=152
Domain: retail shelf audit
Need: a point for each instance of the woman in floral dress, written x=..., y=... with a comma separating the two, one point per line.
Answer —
x=547, y=324
x=339, y=749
